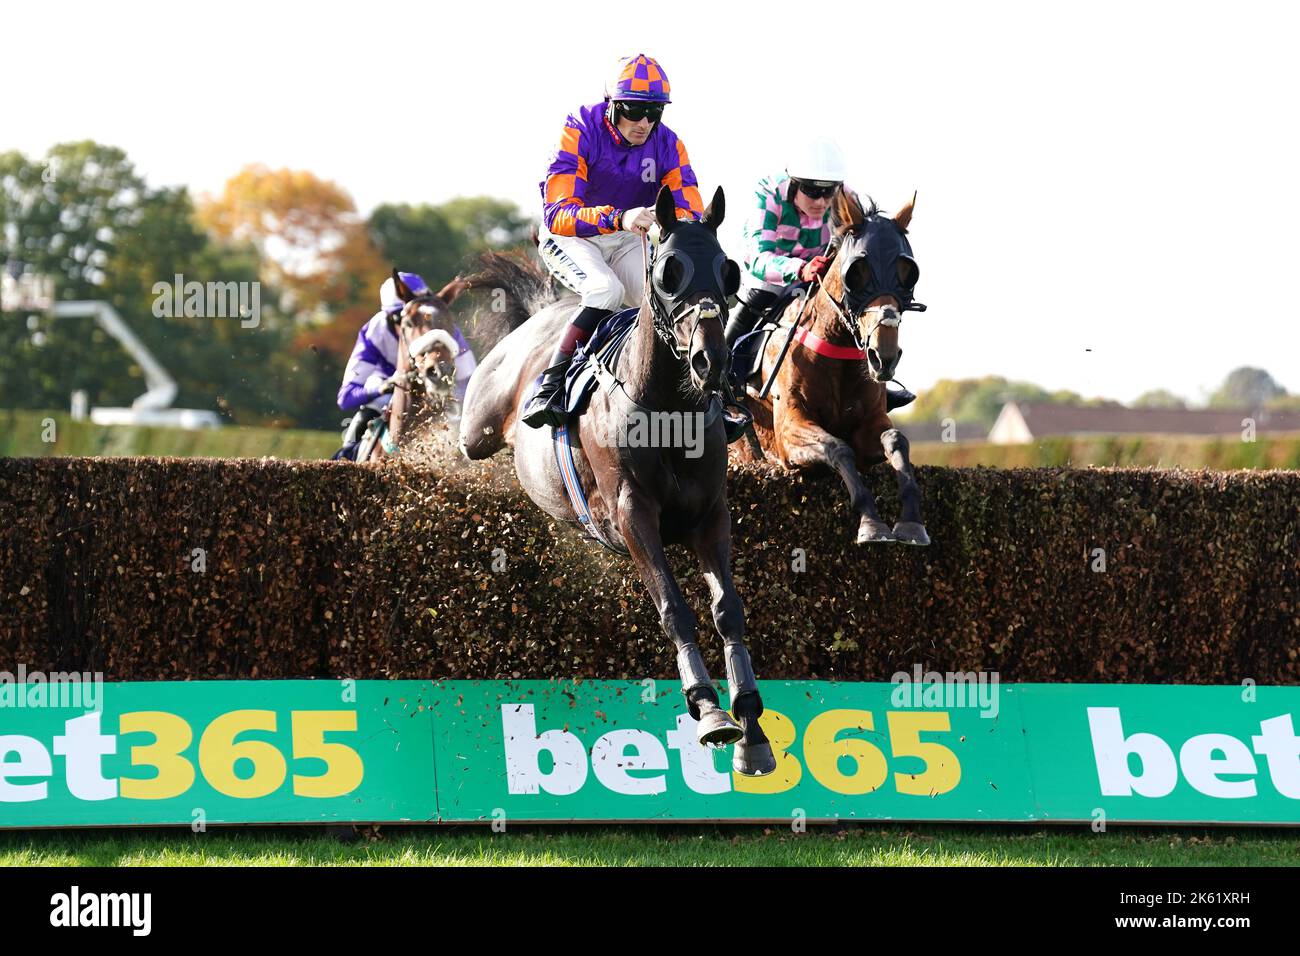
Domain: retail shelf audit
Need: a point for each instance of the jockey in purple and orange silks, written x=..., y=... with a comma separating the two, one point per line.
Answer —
x=598, y=203
x=368, y=380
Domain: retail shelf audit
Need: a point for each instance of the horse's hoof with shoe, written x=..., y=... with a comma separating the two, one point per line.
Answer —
x=874, y=531
x=911, y=532
x=753, y=760
x=717, y=729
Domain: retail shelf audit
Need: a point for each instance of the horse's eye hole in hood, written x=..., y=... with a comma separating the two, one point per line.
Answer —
x=909, y=273
x=672, y=275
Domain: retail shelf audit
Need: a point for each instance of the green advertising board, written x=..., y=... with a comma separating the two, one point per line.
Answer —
x=548, y=751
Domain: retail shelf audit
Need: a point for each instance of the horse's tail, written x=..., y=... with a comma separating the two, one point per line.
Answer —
x=520, y=279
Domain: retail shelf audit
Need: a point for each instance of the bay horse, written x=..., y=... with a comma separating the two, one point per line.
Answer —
x=827, y=407
x=642, y=498
x=426, y=366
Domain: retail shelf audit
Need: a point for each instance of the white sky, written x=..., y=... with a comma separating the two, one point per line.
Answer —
x=1120, y=177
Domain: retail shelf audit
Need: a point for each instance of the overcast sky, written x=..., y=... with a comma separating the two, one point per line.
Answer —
x=1108, y=196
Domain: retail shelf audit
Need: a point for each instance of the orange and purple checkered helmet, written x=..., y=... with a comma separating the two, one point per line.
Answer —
x=638, y=78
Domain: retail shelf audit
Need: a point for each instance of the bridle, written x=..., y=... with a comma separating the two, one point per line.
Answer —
x=888, y=316
x=665, y=326
x=425, y=341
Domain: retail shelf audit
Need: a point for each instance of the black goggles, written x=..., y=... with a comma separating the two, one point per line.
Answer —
x=639, y=111
x=816, y=189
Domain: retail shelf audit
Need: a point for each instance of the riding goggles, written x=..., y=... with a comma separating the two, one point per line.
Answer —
x=816, y=188
x=639, y=111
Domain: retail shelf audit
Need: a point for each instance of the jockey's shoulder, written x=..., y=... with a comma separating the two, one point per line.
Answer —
x=377, y=327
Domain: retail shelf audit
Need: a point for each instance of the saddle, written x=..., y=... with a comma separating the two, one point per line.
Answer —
x=599, y=353
x=747, y=353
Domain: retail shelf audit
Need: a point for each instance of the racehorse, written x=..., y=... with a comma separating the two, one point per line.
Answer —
x=426, y=366
x=827, y=407
x=642, y=498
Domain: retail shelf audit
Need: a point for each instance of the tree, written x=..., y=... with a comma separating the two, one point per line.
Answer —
x=314, y=245
x=83, y=217
x=63, y=215
x=439, y=241
x=1246, y=387
x=1159, y=398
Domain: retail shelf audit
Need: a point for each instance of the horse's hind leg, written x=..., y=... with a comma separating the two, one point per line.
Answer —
x=753, y=755
x=639, y=523
x=909, y=528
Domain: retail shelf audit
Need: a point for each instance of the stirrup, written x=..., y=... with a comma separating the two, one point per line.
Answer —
x=736, y=419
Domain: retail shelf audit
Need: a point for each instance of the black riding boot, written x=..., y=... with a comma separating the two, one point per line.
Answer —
x=546, y=407
x=898, y=399
x=740, y=321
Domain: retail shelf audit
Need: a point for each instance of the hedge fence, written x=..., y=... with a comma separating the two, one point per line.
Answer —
x=197, y=568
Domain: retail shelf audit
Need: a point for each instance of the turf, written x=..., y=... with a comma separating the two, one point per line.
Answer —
x=855, y=845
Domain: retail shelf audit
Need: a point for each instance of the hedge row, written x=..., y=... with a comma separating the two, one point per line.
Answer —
x=196, y=568
x=1143, y=451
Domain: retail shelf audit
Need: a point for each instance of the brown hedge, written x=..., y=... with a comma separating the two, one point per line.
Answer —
x=318, y=569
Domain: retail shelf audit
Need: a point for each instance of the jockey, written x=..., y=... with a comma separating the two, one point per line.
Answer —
x=598, y=204
x=787, y=235
x=369, y=378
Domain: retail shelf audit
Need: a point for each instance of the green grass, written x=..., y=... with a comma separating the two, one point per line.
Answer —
x=24, y=434
x=852, y=845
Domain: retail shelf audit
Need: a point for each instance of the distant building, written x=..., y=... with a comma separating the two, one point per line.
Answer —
x=1021, y=422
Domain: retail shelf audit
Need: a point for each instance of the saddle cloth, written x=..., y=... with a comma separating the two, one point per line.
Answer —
x=604, y=347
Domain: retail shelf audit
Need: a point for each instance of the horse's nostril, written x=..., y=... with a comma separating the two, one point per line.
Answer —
x=874, y=358
x=700, y=363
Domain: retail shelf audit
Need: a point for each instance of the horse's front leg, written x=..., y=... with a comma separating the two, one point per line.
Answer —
x=753, y=755
x=909, y=528
x=638, y=520
x=807, y=444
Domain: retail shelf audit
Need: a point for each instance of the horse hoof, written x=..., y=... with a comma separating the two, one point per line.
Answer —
x=874, y=531
x=753, y=760
x=717, y=729
x=911, y=532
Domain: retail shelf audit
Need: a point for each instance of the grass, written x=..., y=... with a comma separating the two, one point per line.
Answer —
x=852, y=845
x=25, y=434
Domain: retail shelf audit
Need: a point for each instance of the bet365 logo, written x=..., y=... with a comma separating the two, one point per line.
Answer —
x=844, y=765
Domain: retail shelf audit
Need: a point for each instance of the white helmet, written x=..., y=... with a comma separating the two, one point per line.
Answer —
x=819, y=160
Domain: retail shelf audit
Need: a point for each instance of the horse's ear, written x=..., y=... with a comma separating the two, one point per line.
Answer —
x=904, y=216
x=716, y=209
x=403, y=291
x=847, y=212
x=666, y=211
x=452, y=290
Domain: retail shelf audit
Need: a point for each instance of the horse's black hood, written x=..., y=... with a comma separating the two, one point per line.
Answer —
x=875, y=260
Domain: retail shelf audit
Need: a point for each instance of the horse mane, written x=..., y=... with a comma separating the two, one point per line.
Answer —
x=525, y=282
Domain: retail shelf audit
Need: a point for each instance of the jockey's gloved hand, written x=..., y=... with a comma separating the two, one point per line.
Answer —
x=638, y=219
x=814, y=268
x=389, y=384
